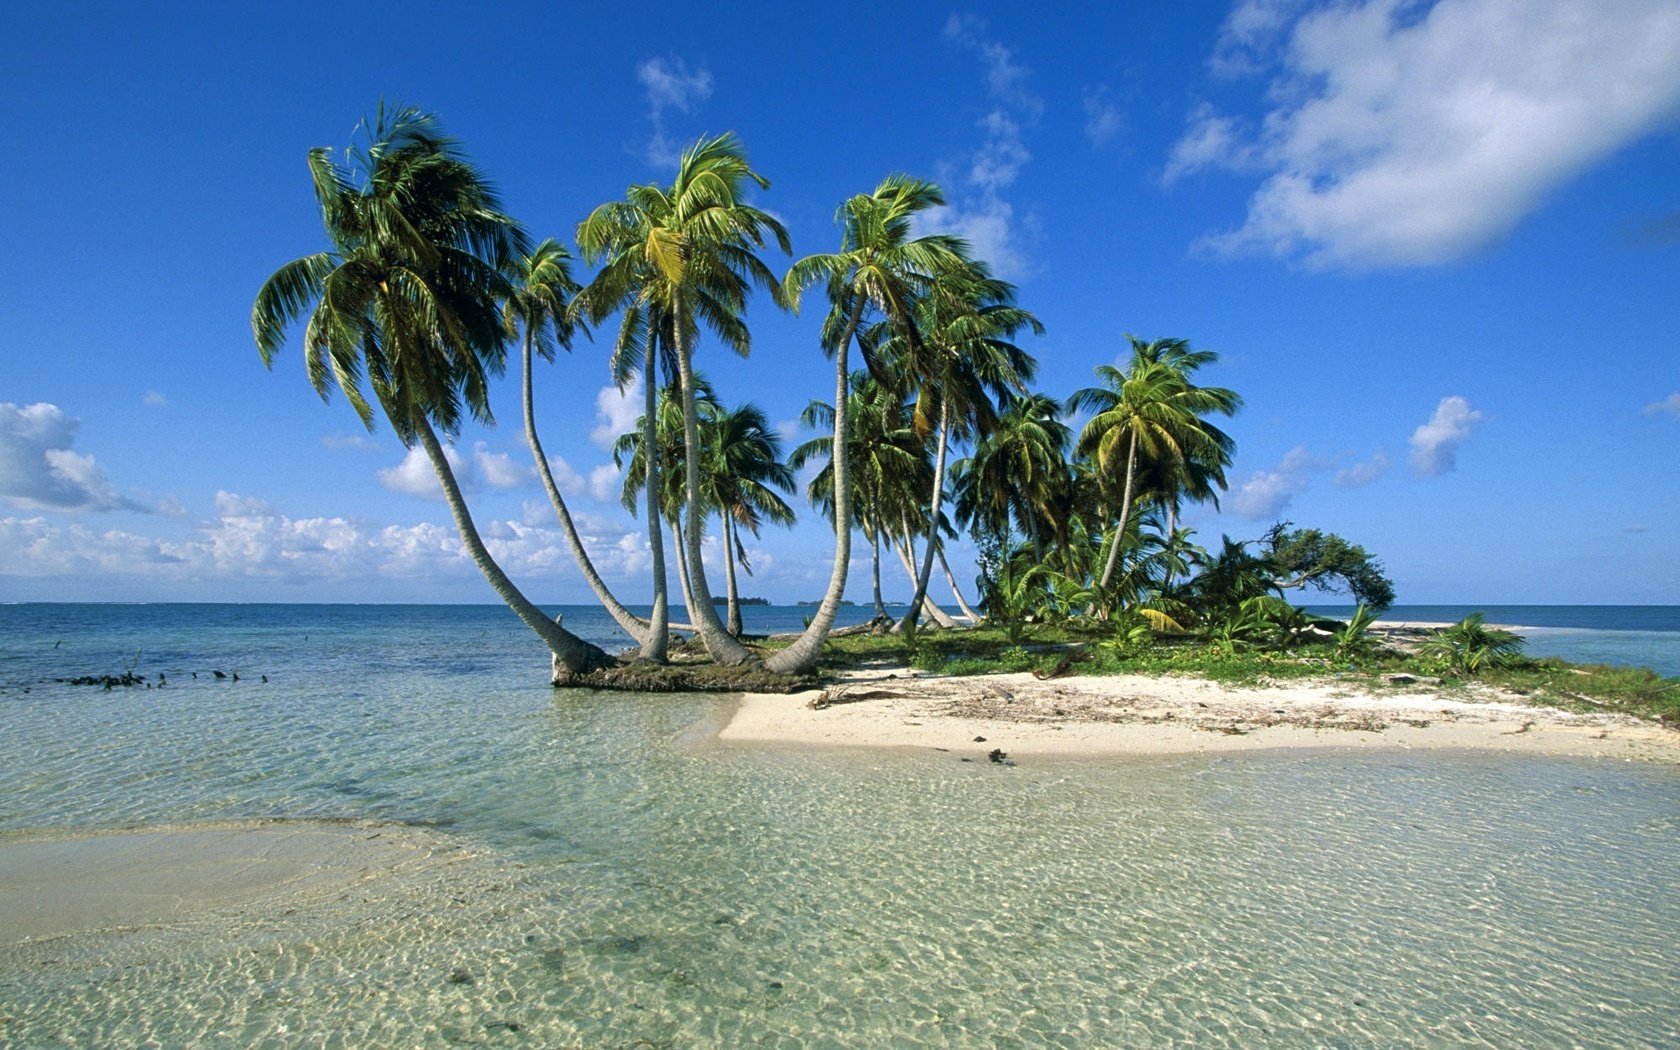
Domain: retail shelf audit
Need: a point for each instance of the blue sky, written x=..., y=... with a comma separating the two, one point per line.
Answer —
x=1437, y=247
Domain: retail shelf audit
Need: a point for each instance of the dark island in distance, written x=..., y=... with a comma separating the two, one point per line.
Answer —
x=718, y=599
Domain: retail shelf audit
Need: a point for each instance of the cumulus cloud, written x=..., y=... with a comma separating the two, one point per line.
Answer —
x=250, y=539
x=1404, y=134
x=605, y=482
x=414, y=476
x=1668, y=406
x=616, y=412
x=153, y=399
x=671, y=87
x=38, y=469
x=1435, y=443
x=1266, y=493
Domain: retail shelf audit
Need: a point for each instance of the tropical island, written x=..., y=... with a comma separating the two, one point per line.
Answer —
x=1085, y=566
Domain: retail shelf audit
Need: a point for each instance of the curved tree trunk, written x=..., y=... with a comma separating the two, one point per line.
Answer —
x=723, y=647
x=633, y=625
x=801, y=657
x=951, y=578
x=682, y=573
x=909, y=621
x=657, y=644
x=572, y=656
x=734, y=598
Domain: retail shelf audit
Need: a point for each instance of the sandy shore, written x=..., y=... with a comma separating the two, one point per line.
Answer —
x=56, y=884
x=1135, y=715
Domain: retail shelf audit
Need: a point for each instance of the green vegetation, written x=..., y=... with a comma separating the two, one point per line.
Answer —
x=1079, y=648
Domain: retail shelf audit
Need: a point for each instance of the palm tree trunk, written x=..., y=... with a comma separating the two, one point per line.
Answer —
x=723, y=648
x=572, y=656
x=657, y=644
x=1037, y=543
x=1125, y=516
x=909, y=621
x=801, y=656
x=1172, y=527
x=729, y=576
x=633, y=625
x=951, y=578
x=875, y=567
x=682, y=573
x=907, y=558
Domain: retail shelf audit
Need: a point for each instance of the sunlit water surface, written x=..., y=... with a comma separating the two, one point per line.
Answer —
x=633, y=883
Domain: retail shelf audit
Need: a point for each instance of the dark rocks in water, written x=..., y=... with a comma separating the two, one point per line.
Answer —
x=998, y=754
x=501, y=1026
x=127, y=680
x=236, y=676
x=265, y=679
x=638, y=677
x=218, y=674
x=460, y=975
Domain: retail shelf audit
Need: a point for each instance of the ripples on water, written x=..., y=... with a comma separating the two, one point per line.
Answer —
x=638, y=882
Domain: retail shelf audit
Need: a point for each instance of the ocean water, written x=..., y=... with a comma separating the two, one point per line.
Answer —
x=634, y=883
x=1628, y=635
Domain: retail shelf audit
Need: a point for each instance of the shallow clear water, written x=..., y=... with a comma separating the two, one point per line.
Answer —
x=635, y=881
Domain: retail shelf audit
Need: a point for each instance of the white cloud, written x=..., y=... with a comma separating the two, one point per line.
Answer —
x=1358, y=475
x=670, y=87
x=1103, y=119
x=978, y=213
x=1250, y=34
x=350, y=439
x=567, y=480
x=153, y=399
x=1435, y=443
x=414, y=476
x=1668, y=406
x=616, y=412
x=498, y=470
x=1211, y=141
x=606, y=482
x=1265, y=494
x=1405, y=135
x=38, y=470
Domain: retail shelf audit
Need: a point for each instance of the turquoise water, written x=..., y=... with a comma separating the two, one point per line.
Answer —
x=1629, y=635
x=638, y=884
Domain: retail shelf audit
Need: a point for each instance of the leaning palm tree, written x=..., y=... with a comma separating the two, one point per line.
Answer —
x=407, y=296
x=688, y=255
x=743, y=471
x=881, y=267
x=538, y=312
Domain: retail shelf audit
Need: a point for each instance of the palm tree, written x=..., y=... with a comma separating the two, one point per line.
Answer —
x=408, y=296
x=662, y=476
x=881, y=267
x=743, y=470
x=1151, y=409
x=686, y=255
x=884, y=451
x=538, y=312
x=962, y=360
x=1014, y=470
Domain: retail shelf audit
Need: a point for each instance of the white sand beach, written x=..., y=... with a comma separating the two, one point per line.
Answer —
x=1137, y=715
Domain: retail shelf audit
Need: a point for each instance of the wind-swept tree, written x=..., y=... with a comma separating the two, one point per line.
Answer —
x=881, y=266
x=539, y=313
x=407, y=298
x=687, y=254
